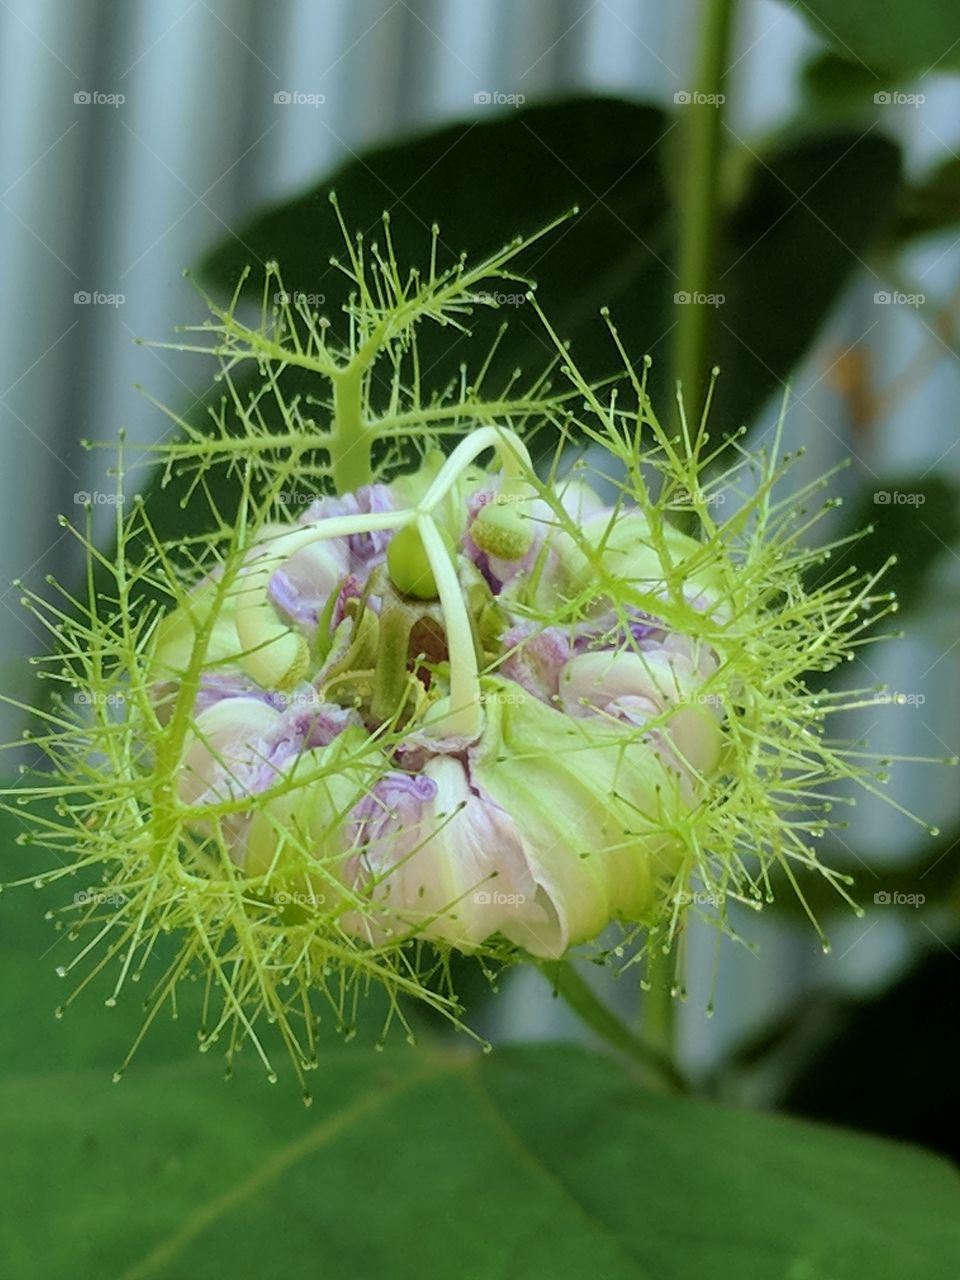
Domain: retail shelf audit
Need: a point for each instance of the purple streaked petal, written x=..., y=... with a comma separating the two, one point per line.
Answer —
x=217, y=685
x=301, y=587
x=535, y=659
x=395, y=803
x=306, y=723
x=365, y=549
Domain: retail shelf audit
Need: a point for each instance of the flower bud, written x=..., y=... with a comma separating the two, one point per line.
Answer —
x=596, y=811
x=474, y=706
x=438, y=859
x=641, y=686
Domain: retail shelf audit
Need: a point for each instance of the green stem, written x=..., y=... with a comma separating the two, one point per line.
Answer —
x=698, y=200
x=659, y=1007
x=349, y=439
x=658, y=1068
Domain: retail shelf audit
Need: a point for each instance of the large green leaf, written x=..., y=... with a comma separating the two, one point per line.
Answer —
x=545, y=1162
x=812, y=207
x=915, y=518
x=889, y=35
x=485, y=183
x=811, y=210
x=933, y=203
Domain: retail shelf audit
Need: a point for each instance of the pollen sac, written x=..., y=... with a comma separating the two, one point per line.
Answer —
x=442, y=735
x=501, y=530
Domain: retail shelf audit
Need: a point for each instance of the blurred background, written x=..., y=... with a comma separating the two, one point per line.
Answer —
x=143, y=138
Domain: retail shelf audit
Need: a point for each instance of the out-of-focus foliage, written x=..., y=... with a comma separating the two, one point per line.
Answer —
x=423, y=1162
x=889, y=36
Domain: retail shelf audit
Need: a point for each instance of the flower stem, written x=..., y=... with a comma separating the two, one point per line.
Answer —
x=349, y=440
x=659, y=1009
x=698, y=200
x=659, y=1071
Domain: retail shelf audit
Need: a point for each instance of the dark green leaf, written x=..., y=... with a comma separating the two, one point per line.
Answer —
x=916, y=519
x=932, y=204
x=837, y=87
x=545, y=1162
x=810, y=214
x=811, y=210
x=889, y=35
x=891, y=1063
x=483, y=184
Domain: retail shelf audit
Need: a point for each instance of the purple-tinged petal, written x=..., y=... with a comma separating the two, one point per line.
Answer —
x=301, y=587
x=365, y=549
x=535, y=659
x=440, y=858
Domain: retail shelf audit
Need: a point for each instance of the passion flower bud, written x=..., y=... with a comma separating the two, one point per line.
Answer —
x=225, y=750
x=621, y=543
x=456, y=704
x=598, y=812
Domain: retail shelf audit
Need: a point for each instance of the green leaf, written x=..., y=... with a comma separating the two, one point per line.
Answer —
x=916, y=519
x=546, y=1162
x=811, y=208
x=810, y=211
x=483, y=184
x=932, y=204
x=889, y=35
x=837, y=87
